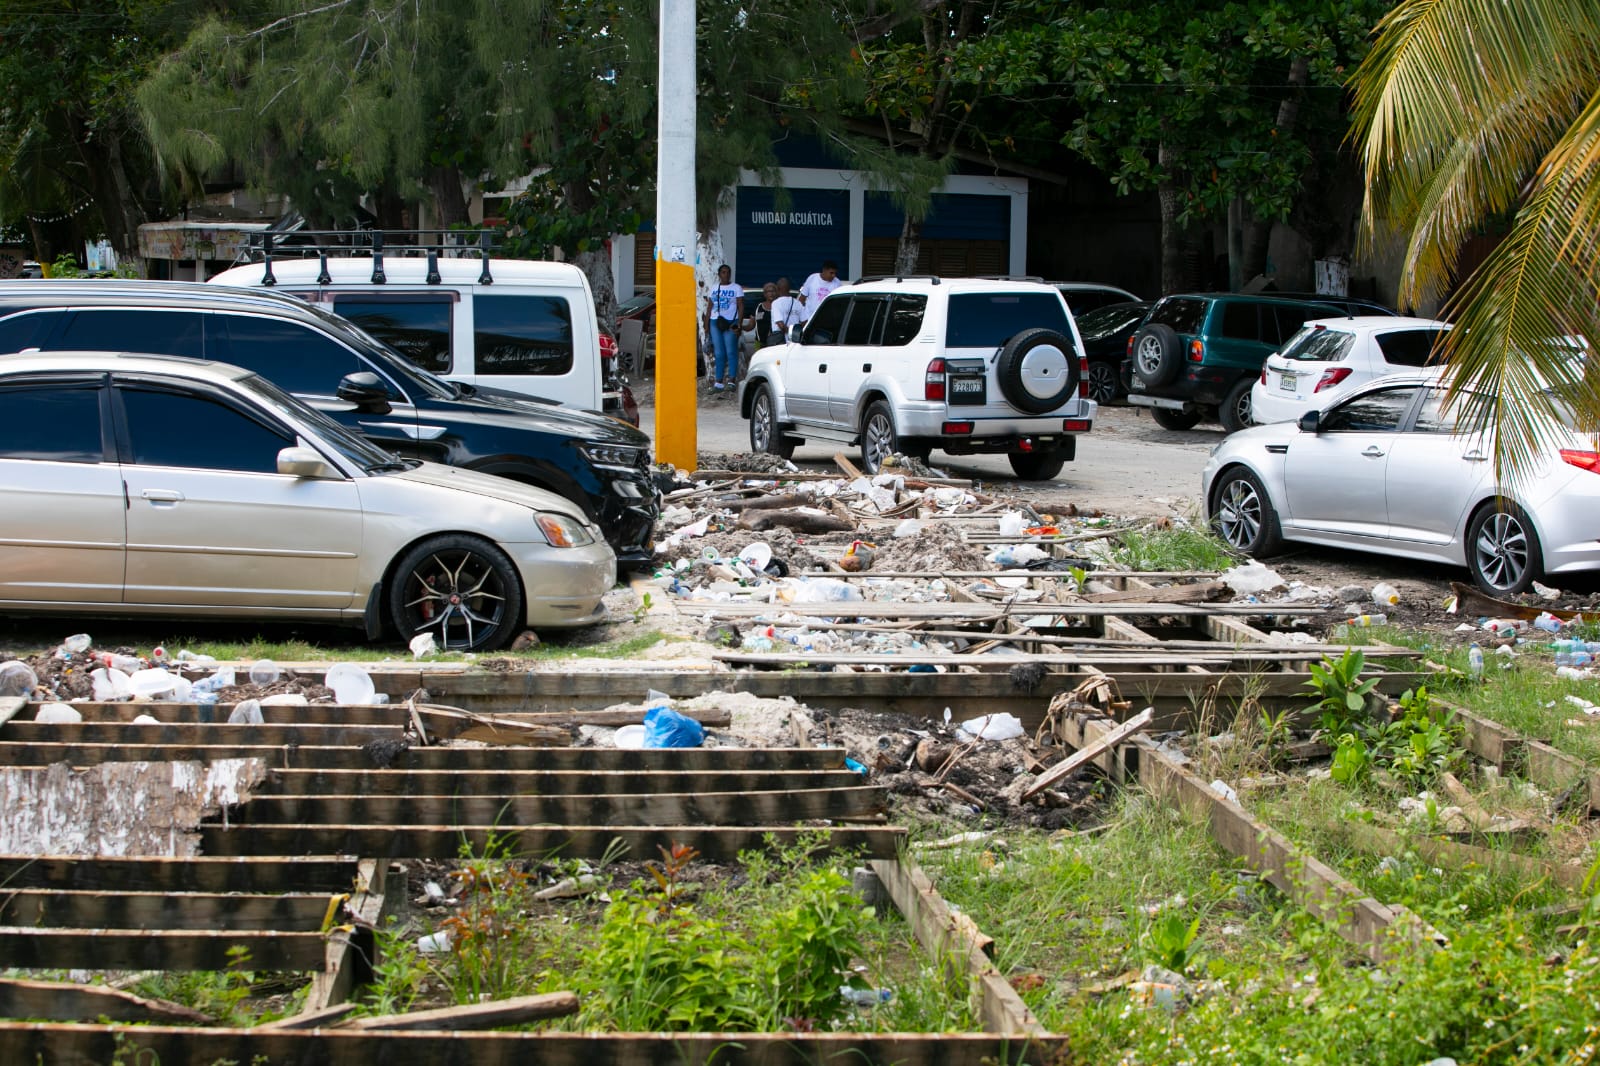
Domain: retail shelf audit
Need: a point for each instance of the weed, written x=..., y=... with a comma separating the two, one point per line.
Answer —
x=1341, y=694
x=1169, y=940
x=1178, y=547
x=1350, y=759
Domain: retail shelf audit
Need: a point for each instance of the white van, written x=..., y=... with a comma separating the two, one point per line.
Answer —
x=520, y=325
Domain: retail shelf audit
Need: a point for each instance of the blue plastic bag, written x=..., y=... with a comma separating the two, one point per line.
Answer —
x=666, y=728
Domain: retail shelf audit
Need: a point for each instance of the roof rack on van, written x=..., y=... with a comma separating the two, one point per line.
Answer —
x=898, y=277
x=302, y=244
x=1009, y=277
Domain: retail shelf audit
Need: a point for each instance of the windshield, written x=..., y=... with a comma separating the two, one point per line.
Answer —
x=356, y=449
x=393, y=363
x=1318, y=344
x=1110, y=320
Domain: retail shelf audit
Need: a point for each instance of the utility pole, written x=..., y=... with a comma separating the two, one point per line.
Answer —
x=677, y=307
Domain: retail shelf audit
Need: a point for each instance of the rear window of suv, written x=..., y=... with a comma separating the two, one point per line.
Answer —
x=1318, y=344
x=989, y=319
x=1183, y=315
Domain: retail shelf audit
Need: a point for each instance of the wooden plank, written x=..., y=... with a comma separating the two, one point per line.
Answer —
x=946, y=935
x=1377, y=839
x=1497, y=745
x=1201, y=593
x=206, y=874
x=843, y=462
x=291, y=912
x=1078, y=759
x=193, y=733
x=311, y=1019
x=22, y=1042
x=440, y=758
x=515, y=1011
x=975, y=612
x=1556, y=771
x=352, y=947
x=1062, y=658
x=1512, y=752
x=566, y=842
x=686, y=808
x=217, y=714
x=10, y=707
x=158, y=949
x=73, y=1002
x=561, y=782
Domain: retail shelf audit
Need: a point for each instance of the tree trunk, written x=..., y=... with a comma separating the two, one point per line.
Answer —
x=1258, y=231
x=596, y=266
x=909, y=249
x=1172, y=279
x=449, y=201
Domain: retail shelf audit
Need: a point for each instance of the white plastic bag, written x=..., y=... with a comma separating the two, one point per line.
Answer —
x=1002, y=726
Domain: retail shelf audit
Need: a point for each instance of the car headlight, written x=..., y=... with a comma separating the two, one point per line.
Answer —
x=563, y=531
x=612, y=455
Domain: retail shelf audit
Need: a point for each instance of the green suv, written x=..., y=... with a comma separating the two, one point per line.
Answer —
x=1198, y=354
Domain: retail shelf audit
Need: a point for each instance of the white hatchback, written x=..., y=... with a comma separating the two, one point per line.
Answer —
x=1329, y=358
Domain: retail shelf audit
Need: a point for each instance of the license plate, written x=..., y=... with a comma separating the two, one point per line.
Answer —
x=967, y=391
x=1286, y=381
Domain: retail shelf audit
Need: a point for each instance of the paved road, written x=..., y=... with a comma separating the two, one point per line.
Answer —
x=1126, y=465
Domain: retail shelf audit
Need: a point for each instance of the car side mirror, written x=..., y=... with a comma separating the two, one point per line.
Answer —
x=305, y=462
x=366, y=390
x=795, y=335
x=1311, y=421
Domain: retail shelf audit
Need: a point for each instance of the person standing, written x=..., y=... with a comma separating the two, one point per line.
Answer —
x=724, y=309
x=763, y=314
x=818, y=286
x=787, y=313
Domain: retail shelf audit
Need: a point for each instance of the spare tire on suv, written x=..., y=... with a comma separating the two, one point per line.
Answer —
x=1157, y=353
x=1038, y=370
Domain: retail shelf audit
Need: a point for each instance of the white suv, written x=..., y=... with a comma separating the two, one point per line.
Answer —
x=911, y=364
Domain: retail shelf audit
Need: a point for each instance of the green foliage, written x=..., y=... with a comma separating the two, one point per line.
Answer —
x=1341, y=694
x=1177, y=547
x=1169, y=940
x=222, y=994
x=1350, y=759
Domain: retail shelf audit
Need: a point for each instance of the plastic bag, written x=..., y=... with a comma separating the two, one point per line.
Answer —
x=17, y=678
x=1002, y=726
x=666, y=728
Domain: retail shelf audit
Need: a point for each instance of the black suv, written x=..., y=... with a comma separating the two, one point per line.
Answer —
x=1197, y=355
x=599, y=463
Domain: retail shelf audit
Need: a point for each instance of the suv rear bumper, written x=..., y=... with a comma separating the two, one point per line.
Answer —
x=930, y=421
x=1197, y=386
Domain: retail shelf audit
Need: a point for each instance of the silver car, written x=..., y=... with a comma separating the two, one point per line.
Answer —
x=1387, y=470
x=149, y=485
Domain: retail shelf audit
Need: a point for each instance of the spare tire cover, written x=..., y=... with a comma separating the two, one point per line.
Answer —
x=1038, y=370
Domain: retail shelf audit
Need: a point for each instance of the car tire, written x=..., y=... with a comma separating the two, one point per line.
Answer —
x=879, y=438
x=1038, y=370
x=1242, y=514
x=1036, y=466
x=1104, y=384
x=1157, y=354
x=1234, y=414
x=1503, y=550
x=765, y=436
x=1167, y=418
x=462, y=589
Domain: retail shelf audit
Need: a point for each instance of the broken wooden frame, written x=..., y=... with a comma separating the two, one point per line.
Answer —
x=316, y=914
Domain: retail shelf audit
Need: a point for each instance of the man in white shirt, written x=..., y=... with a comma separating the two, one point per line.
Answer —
x=817, y=286
x=787, y=314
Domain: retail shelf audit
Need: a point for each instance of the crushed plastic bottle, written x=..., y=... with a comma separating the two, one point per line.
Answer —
x=1548, y=622
x=1475, y=661
x=128, y=664
x=1366, y=621
x=865, y=997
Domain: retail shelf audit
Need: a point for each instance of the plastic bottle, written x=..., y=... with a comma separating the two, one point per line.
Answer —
x=1547, y=622
x=1385, y=594
x=1364, y=621
x=128, y=664
x=1475, y=661
x=76, y=644
x=865, y=997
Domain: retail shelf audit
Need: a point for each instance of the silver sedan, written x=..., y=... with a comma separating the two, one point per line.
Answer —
x=145, y=485
x=1387, y=470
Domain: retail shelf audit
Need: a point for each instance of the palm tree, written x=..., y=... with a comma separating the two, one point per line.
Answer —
x=1479, y=113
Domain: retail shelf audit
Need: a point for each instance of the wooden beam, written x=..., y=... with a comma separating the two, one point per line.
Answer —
x=207, y=874
x=158, y=949
x=619, y=760
x=903, y=609
x=1200, y=593
x=950, y=936
x=566, y=842
x=1512, y=752
x=518, y=1010
x=1498, y=861
x=687, y=808
x=72, y=1002
x=536, y=782
x=191, y=733
x=24, y=1042
x=352, y=949
x=290, y=912
x=10, y=707
x=1078, y=759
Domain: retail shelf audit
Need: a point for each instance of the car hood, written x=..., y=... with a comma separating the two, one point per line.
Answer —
x=518, y=410
x=487, y=485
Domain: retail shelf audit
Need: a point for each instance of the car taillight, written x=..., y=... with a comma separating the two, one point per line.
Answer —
x=1075, y=425
x=1589, y=461
x=1083, y=377
x=1130, y=347
x=1197, y=351
x=1263, y=375
x=1332, y=377
x=933, y=380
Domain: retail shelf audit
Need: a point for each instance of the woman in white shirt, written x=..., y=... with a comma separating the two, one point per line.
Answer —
x=724, y=309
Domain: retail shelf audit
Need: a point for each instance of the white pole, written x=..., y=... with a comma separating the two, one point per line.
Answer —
x=677, y=305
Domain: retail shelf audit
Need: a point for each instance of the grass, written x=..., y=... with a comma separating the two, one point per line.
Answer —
x=553, y=650
x=1177, y=547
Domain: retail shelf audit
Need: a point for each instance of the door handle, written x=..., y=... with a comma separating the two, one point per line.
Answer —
x=162, y=495
x=822, y=369
x=1373, y=452
x=1475, y=456
x=866, y=368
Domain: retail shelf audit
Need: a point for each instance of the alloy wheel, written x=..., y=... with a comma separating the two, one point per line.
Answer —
x=458, y=595
x=1239, y=513
x=1502, y=550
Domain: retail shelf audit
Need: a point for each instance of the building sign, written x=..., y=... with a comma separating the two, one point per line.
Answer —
x=791, y=218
